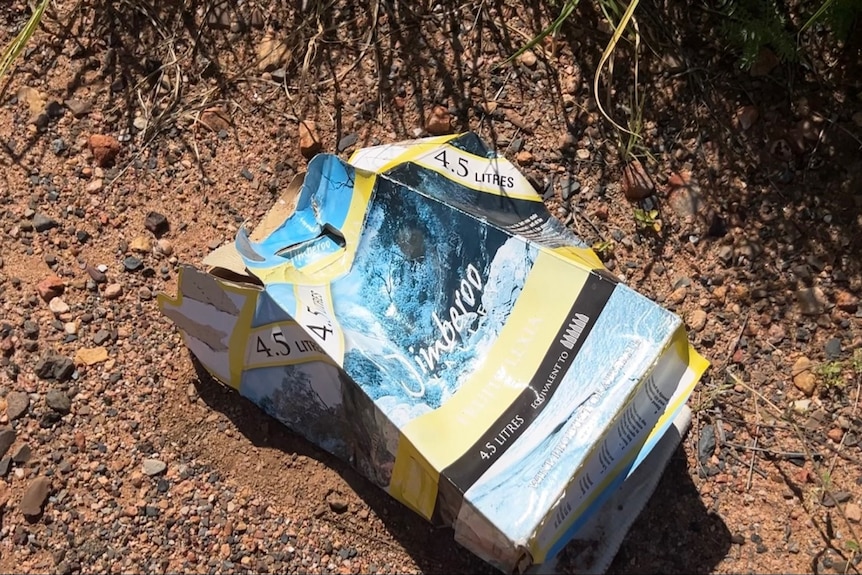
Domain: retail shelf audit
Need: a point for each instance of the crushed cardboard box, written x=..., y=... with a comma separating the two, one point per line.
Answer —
x=418, y=313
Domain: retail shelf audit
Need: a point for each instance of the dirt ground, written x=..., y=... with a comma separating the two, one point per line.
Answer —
x=154, y=467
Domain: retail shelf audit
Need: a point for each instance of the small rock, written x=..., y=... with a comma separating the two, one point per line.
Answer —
x=113, y=291
x=58, y=306
x=215, y=118
x=91, y=355
x=131, y=264
x=725, y=254
x=812, y=301
x=35, y=497
x=58, y=401
x=95, y=186
x=706, y=443
x=528, y=58
x=584, y=154
x=7, y=438
x=79, y=108
x=346, y=142
x=846, y=301
x=853, y=513
x=834, y=498
x=636, y=183
x=803, y=378
x=524, y=158
x=245, y=173
x=337, y=503
x=833, y=348
x=685, y=196
x=835, y=434
x=156, y=223
x=764, y=63
x=105, y=149
x=745, y=117
x=438, y=121
x=152, y=467
x=50, y=287
x=697, y=320
x=98, y=276
x=309, y=141
x=22, y=454
x=801, y=406
x=17, y=403
x=164, y=247
x=42, y=223
x=272, y=53
x=677, y=296
x=101, y=336
x=141, y=245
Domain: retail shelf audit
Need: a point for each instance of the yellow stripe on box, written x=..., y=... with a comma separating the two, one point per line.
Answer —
x=433, y=441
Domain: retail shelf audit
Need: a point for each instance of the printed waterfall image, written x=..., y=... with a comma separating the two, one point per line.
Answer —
x=428, y=292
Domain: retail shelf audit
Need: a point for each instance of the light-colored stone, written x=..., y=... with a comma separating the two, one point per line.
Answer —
x=812, y=301
x=113, y=291
x=164, y=247
x=438, y=121
x=309, y=140
x=272, y=53
x=697, y=320
x=141, y=245
x=91, y=355
x=153, y=467
x=803, y=378
x=58, y=306
x=528, y=58
x=35, y=496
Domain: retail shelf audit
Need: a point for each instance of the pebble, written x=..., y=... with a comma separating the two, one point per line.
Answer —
x=132, y=263
x=309, y=141
x=438, y=121
x=272, y=53
x=22, y=454
x=346, y=142
x=7, y=438
x=725, y=254
x=17, y=403
x=58, y=401
x=58, y=306
x=94, y=186
x=101, y=336
x=91, y=355
x=141, y=245
x=697, y=320
x=636, y=182
x=113, y=291
x=528, y=58
x=156, y=223
x=35, y=496
x=216, y=119
x=5, y=465
x=50, y=287
x=104, y=148
x=79, y=108
x=152, y=467
x=245, y=173
x=803, y=377
x=96, y=275
x=706, y=443
x=164, y=247
x=54, y=367
x=812, y=301
x=43, y=223
x=833, y=348
x=846, y=301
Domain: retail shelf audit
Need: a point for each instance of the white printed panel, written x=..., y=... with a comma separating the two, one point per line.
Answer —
x=496, y=175
x=314, y=311
x=637, y=421
x=281, y=344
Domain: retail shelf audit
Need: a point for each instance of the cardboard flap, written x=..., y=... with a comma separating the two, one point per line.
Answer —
x=225, y=262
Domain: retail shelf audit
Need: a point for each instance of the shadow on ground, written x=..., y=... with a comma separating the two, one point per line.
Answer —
x=675, y=517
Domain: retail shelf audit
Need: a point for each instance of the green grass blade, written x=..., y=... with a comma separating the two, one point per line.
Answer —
x=609, y=49
x=16, y=46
